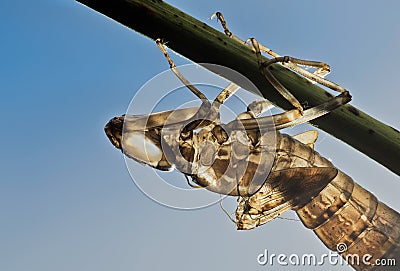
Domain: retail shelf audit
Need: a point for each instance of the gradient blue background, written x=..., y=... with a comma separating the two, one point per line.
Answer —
x=66, y=199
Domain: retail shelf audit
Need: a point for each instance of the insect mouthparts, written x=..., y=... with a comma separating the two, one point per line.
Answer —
x=113, y=130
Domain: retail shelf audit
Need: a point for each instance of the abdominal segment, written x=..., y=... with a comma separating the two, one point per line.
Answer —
x=349, y=219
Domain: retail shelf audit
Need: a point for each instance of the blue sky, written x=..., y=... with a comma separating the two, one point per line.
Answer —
x=66, y=199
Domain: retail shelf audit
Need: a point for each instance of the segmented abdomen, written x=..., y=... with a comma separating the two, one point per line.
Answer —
x=345, y=213
x=329, y=202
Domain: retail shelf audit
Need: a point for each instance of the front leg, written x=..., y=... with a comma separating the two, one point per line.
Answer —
x=208, y=113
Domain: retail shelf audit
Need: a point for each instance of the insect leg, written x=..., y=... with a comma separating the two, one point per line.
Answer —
x=259, y=106
x=192, y=88
x=221, y=18
x=291, y=60
x=224, y=95
x=322, y=69
x=286, y=120
x=272, y=79
x=255, y=109
x=292, y=117
x=213, y=114
x=204, y=111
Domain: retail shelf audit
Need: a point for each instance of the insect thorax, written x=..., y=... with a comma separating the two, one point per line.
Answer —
x=235, y=162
